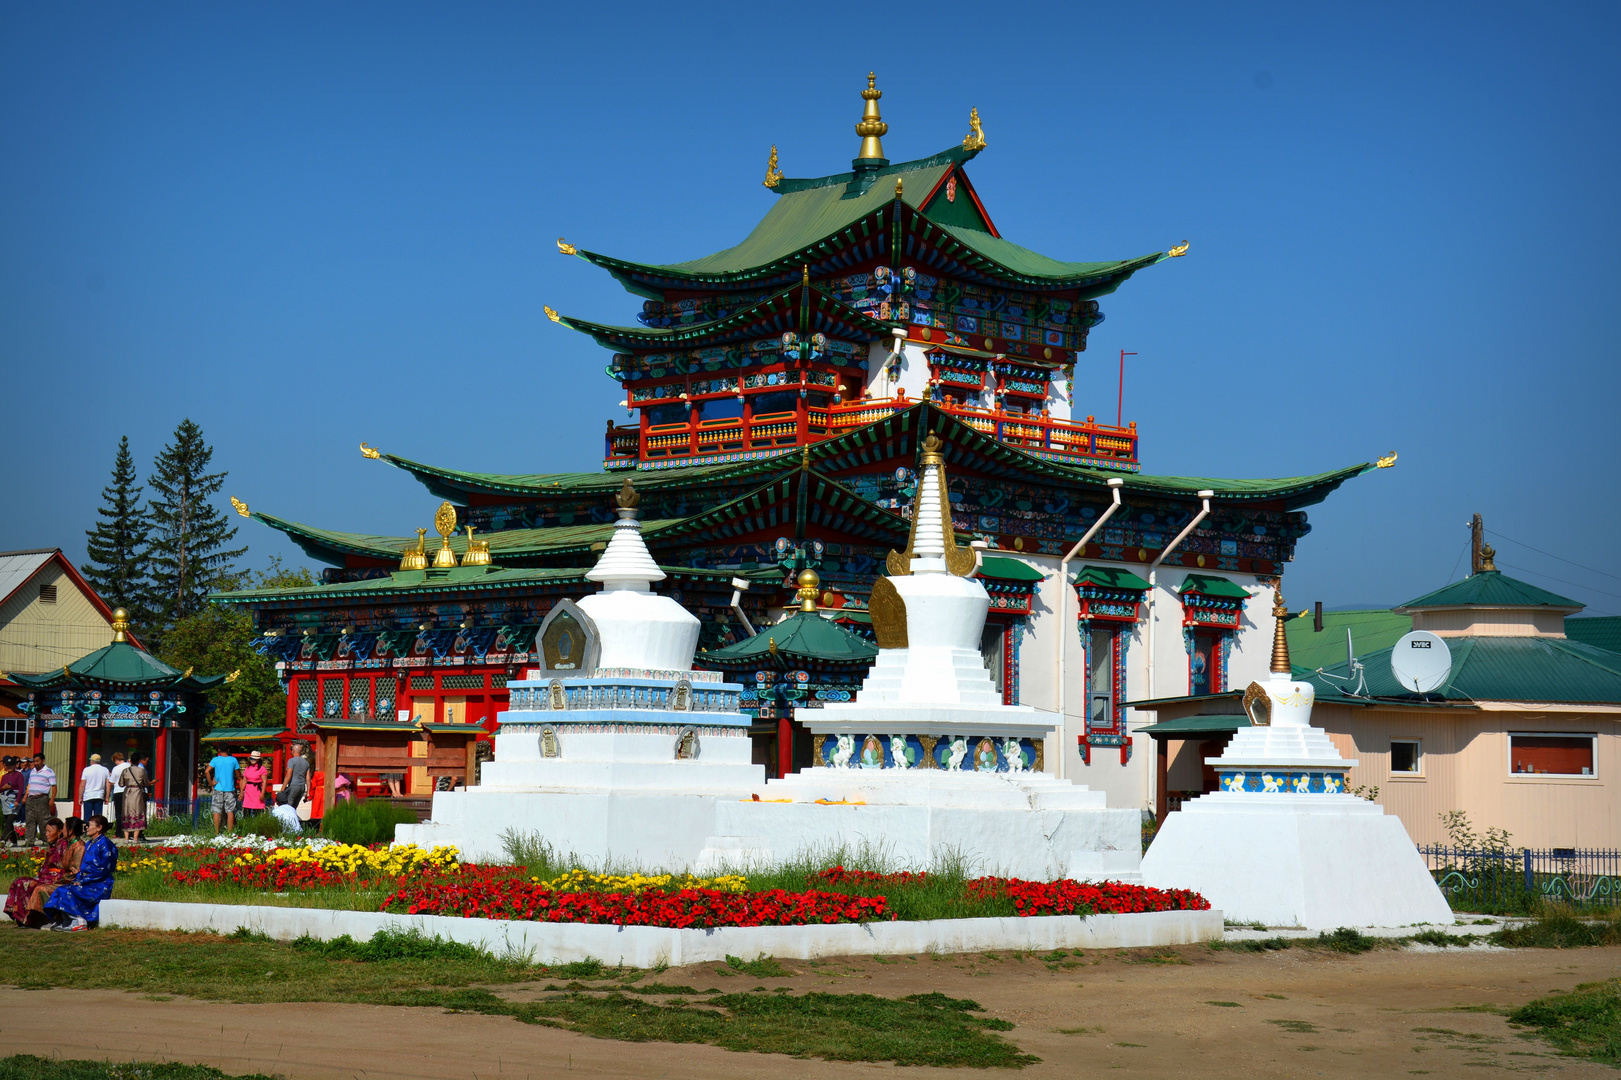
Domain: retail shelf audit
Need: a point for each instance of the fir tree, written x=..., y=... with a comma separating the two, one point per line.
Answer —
x=116, y=567
x=187, y=553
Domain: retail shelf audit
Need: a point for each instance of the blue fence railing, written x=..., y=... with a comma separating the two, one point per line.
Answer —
x=1515, y=879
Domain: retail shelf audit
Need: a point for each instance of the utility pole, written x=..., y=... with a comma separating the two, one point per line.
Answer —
x=1120, y=404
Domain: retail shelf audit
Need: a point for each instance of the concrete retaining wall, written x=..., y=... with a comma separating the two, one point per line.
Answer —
x=649, y=946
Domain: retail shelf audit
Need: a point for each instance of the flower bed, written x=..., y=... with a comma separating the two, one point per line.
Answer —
x=1082, y=898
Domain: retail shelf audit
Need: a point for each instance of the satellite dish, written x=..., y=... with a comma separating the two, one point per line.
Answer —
x=1421, y=662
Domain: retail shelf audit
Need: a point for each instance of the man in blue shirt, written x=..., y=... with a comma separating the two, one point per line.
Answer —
x=222, y=774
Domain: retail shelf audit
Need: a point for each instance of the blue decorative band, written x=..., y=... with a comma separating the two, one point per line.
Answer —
x=1283, y=781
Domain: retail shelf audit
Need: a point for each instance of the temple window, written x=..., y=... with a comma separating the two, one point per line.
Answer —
x=1110, y=604
x=1212, y=608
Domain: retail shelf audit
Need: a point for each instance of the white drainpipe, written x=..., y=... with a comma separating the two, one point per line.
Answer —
x=1115, y=484
x=1153, y=585
x=739, y=587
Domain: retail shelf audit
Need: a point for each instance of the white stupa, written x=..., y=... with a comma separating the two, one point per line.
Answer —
x=616, y=750
x=1282, y=842
x=927, y=761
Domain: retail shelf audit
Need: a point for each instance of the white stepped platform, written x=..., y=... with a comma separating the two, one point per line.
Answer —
x=1027, y=825
x=1314, y=861
x=652, y=946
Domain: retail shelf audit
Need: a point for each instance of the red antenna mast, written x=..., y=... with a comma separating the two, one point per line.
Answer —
x=1120, y=405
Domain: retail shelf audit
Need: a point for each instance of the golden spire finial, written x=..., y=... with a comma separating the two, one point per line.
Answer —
x=898, y=187
x=444, y=523
x=975, y=139
x=120, y=625
x=628, y=499
x=566, y=248
x=416, y=558
x=1487, y=555
x=809, y=584
x=370, y=452
x=1280, y=640
x=187, y=673
x=1178, y=251
x=872, y=125
x=241, y=507
x=773, y=175
x=961, y=561
x=551, y=314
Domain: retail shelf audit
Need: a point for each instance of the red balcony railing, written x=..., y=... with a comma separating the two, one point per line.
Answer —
x=630, y=445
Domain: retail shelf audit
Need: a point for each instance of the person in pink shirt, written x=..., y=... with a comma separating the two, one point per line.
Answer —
x=255, y=782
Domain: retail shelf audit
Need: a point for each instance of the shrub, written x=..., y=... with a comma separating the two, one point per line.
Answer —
x=366, y=822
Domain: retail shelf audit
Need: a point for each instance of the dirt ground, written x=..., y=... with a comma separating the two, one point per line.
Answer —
x=1304, y=1013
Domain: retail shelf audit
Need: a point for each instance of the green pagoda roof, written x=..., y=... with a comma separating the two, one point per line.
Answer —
x=768, y=316
x=856, y=448
x=120, y=665
x=1530, y=669
x=1489, y=588
x=804, y=635
x=463, y=579
x=331, y=546
x=1599, y=631
x=818, y=223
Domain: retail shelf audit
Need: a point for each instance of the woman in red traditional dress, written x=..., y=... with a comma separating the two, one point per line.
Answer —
x=25, y=903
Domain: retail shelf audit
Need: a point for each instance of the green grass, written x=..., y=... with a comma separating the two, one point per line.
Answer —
x=1347, y=940
x=1244, y=945
x=1560, y=931
x=256, y=824
x=405, y=969
x=1225, y=1004
x=29, y=1067
x=1583, y=1023
x=761, y=967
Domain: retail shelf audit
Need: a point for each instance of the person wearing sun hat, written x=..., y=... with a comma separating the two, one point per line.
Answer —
x=93, y=783
x=255, y=782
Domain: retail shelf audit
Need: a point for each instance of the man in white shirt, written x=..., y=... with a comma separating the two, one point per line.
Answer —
x=93, y=787
x=116, y=780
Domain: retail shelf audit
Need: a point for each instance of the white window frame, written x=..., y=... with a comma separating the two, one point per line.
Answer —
x=9, y=733
x=1418, y=759
x=1591, y=736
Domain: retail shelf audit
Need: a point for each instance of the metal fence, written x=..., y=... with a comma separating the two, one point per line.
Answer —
x=1517, y=879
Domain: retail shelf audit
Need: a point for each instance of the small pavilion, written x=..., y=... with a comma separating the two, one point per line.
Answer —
x=122, y=698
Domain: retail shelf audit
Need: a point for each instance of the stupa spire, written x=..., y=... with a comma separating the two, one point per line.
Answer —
x=1280, y=640
x=931, y=547
x=626, y=562
x=872, y=126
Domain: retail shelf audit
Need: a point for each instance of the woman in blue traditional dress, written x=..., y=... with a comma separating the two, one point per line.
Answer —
x=79, y=904
x=25, y=903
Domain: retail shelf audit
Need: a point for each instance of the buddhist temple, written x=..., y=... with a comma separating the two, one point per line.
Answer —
x=781, y=391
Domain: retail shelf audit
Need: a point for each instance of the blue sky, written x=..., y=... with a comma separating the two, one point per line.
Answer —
x=305, y=226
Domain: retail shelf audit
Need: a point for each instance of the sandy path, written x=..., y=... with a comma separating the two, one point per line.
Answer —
x=1342, y=1016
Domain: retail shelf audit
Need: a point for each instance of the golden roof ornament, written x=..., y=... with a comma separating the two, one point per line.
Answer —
x=898, y=187
x=478, y=551
x=959, y=560
x=773, y=175
x=872, y=126
x=566, y=248
x=809, y=583
x=369, y=452
x=416, y=558
x=551, y=314
x=241, y=507
x=444, y=523
x=1280, y=640
x=1487, y=555
x=627, y=499
x=975, y=139
x=120, y=625
x=1178, y=251
x=187, y=673
x=1386, y=462
x=233, y=676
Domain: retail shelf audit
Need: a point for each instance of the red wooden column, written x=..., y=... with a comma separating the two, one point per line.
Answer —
x=785, y=746
x=81, y=757
x=1162, y=771
x=160, y=764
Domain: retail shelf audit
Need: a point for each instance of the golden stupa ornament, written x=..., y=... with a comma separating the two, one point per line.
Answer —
x=566, y=248
x=773, y=175
x=120, y=625
x=551, y=314
x=416, y=558
x=809, y=584
x=1280, y=639
x=975, y=139
x=241, y=507
x=478, y=551
x=444, y=523
x=959, y=560
x=370, y=452
x=628, y=498
x=872, y=126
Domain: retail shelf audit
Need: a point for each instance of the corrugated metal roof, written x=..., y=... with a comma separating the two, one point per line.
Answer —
x=1371, y=630
x=16, y=567
x=1599, y=631
x=1499, y=669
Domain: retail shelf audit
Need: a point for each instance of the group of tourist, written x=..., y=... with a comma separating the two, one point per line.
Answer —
x=124, y=789
x=235, y=786
x=27, y=798
x=74, y=878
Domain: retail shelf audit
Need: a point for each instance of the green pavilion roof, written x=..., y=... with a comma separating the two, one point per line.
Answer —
x=244, y=734
x=1005, y=569
x=119, y=665
x=895, y=434
x=463, y=579
x=1371, y=630
x=1600, y=631
x=1490, y=588
x=804, y=635
x=818, y=223
x=765, y=317
x=1531, y=669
